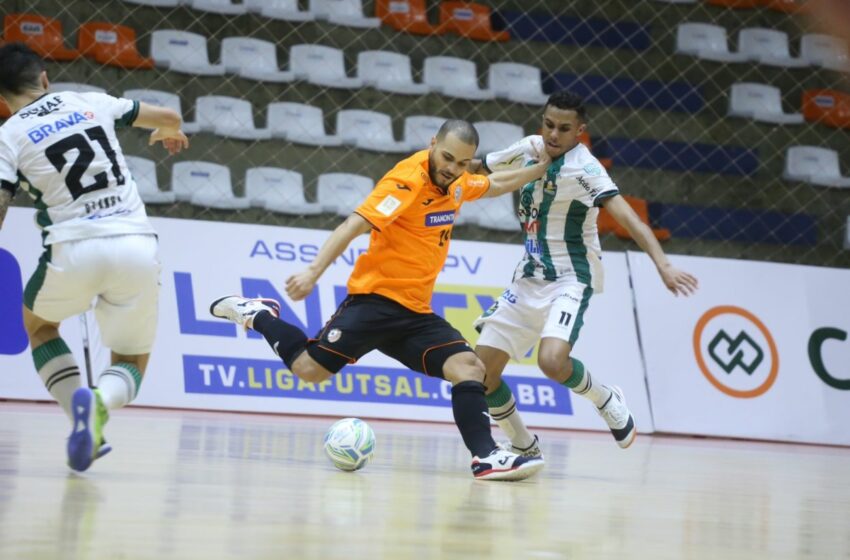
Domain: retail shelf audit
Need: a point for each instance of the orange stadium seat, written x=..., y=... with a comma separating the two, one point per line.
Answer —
x=111, y=44
x=468, y=19
x=5, y=113
x=607, y=224
x=737, y=4
x=41, y=34
x=584, y=138
x=788, y=6
x=405, y=15
x=828, y=107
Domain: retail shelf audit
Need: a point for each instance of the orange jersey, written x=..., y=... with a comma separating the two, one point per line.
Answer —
x=412, y=224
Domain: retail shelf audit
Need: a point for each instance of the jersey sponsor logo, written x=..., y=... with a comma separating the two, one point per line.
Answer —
x=44, y=131
x=593, y=169
x=43, y=109
x=402, y=187
x=388, y=205
x=477, y=182
x=592, y=191
x=532, y=246
x=509, y=296
x=428, y=202
x=532, y=227
x=440, y=218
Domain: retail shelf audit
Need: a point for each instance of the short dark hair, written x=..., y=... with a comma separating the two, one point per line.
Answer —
x=463, y=130
x=567, y=100
x=20, y=68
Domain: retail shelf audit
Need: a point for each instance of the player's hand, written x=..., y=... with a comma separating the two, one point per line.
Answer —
x=299, y=286
x=678, y=281
x=172, y=140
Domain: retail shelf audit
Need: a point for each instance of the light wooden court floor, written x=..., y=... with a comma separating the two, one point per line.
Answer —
x=204, y=485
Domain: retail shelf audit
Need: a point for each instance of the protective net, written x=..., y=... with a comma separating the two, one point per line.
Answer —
x=695, y=133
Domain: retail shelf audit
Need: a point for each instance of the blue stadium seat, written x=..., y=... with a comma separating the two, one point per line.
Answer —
x=681, y=156
x=624, y=92
x=571, y=30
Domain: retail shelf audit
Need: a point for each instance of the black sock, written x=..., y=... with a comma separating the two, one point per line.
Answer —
x=286, y=340
x=470, y=411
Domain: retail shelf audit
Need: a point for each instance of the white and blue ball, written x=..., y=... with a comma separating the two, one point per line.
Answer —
x=350, y=444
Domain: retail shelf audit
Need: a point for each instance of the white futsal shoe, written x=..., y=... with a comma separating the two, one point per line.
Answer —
x=242, y=310
x=505, y=465
x=616, y=414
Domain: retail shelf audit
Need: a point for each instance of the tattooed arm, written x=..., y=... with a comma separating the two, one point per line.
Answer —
x=5, y=200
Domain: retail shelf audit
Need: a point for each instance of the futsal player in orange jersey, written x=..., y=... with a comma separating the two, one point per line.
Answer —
x=410, y=214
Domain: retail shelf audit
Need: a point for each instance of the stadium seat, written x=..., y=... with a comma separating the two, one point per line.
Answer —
x=278, y=190
x=736, y=4
x=226, y=7
x=405, y=15
x=825, y=51
x=143, y=172
x=5, y=112
x=520, y=83
x=162, y=99
x=299, y=123
x=230, y=117
x=705, y=41
x=768, y=46
x=545, y=26
x=388, y=71
x=761, y=103
x=828, y=107
x=184, y=52
x=157, y=3
x=607, y=224
x=368, y=130
x=343, y=12
x=341, y=193
x=469, y=19
x=678, y=1
x=420, y=129
x=56, y=87
x=495, y=136
x=111, y=44
x=253, y=59
x=584, y=138
x=205, y=184
x=41, y=34
x=454, y=77
x=847, y=234
x=286, y=10
x=814, y=165
x=646, y=153
x=788, y=6
x=322, y=66
x=497, y=213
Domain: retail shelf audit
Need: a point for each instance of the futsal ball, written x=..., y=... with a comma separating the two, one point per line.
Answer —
x=349, y=444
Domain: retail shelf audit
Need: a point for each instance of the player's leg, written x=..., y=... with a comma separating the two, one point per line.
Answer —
x=53, y=360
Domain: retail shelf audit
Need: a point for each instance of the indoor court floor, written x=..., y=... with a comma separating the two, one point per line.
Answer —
x=185, y=485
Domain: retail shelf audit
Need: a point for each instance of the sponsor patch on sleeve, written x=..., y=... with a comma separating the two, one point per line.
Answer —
x=388, y=205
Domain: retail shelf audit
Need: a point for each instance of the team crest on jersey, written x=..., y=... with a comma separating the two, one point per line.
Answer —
x=593, y=169
x=334, y=335
x=458, y=193
x=549, y=187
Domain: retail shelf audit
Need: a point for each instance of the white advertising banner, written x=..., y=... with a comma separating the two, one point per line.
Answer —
x=202, y=362
x=760, y=351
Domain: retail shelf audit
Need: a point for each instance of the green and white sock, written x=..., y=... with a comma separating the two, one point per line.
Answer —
x=582, y=384
x=502, y=408
x=119, y=384
x=58, y=371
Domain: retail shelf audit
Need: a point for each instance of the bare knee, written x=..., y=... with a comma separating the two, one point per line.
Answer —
x=307, y=369
x=555, y=365
x=39, y=330
x=464, y=366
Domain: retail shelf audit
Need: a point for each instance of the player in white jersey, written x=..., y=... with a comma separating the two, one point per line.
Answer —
x=559, y=272
x=98, y=243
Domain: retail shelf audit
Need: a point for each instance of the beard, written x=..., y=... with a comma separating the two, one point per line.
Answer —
x=437, y=178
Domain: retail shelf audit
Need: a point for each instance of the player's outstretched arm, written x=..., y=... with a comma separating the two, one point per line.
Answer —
x=502, y=182
x=299, y=286
x=677, y=281
x=5, y=200
x=166, y=124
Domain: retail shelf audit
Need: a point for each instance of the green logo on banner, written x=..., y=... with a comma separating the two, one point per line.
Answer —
x=735, y=352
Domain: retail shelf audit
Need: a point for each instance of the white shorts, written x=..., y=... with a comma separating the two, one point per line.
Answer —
x=119, y=274
x=532, y=309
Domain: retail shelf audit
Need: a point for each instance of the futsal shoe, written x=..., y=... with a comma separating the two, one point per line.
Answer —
x=242, y=310
x=532, y=451
x=616, y=414
x=85, y=444
x=505, y=465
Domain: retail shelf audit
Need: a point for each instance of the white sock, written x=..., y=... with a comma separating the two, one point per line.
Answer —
x=119, y=384
x=58, y=371
x=502, y=408
x=596, y=392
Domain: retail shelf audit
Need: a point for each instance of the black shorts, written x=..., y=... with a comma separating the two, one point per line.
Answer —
x=362, y=323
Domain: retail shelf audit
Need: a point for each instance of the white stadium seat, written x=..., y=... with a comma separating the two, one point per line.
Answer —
x=227, y=7
x=143, y=172
x=705, y=41
x=230, y=117
x=497, y=213
x=420, y=129
x=321, y=65
x=495, y=136
x=368, y=130
x=278, y=190
x=825, y=51
x=815, y=165
x=341, y=193
x=299, y=123
x=162, y=99
x=286, y=10
x=454, y=77
x=388, y=71
x=253, y=59
x=184, y=52
x=761, y=103
x=343, y=12
x=205, y=184
x=56, y=87
x=768, y=46
x=521, y=83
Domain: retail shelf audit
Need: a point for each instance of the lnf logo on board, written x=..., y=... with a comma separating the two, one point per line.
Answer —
x=735, y=352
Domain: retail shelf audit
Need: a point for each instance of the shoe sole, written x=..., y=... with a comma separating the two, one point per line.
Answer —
x=520, y=473
x=81, y=441
x=273, y=304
